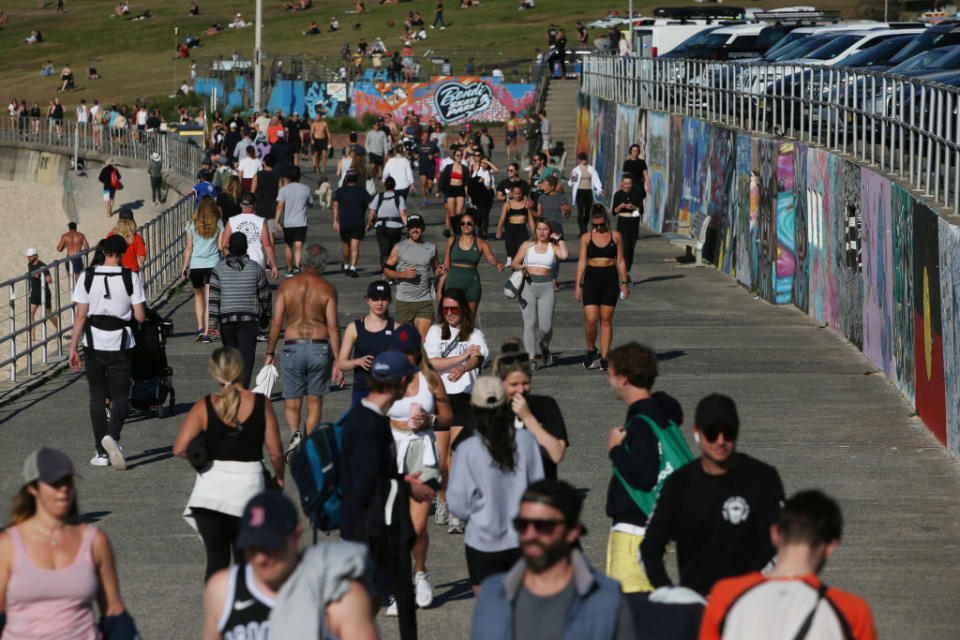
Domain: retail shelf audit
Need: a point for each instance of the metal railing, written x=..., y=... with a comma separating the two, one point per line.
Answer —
x=179, y=155
x=164, y=239
x=905, y=126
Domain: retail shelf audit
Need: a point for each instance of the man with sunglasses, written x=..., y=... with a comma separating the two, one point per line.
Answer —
x=718, y=508
x=553, y=592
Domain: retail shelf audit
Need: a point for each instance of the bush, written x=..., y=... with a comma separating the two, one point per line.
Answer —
x=343, y=124
x=168, y=106
x=368, y=119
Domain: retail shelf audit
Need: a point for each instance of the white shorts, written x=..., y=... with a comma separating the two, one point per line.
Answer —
x=546, y=144
x=108, y=195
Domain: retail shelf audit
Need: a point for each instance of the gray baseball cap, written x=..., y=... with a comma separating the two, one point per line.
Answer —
x=47, y=464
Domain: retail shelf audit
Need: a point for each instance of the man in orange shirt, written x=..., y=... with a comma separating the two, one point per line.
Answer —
x=790, y=601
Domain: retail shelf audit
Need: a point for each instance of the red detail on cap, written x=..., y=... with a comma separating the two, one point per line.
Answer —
x=403, y=334
x=257, y=516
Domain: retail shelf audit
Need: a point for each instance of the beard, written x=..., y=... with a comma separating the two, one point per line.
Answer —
x=552, y=554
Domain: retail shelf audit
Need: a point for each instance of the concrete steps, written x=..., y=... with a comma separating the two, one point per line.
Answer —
x=561, y=109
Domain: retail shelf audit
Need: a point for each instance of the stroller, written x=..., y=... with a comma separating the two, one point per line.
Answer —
x=151, y=383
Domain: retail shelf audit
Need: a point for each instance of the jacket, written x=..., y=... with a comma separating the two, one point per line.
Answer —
x=574, y=181
x=595, y=614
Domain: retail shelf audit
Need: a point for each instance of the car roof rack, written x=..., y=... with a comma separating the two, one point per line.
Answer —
x=798, y=16
x=701, y=13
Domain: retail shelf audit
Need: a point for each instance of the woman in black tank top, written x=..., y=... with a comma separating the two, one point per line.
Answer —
x=601, y=279
x=232, y=425
x=366, y=338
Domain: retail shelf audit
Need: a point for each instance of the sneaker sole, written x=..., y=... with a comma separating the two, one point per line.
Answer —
x=117, y=460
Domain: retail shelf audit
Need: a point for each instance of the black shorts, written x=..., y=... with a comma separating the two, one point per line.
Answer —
x=601, y=286
x=351, y=233
x=376, y=160
x=200, y=277
x=320, y=145
x=426, y=170
x=35, y=297
x=483, y=564
x=460, y=406
x=455, y=191
x=294, y=234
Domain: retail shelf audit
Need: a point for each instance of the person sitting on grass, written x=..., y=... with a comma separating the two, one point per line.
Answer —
x=47, y=69
x=122, y=9
x=334, y=25
x=66, y=78
x=313, y=30
x=194, y=9
x=92, y=74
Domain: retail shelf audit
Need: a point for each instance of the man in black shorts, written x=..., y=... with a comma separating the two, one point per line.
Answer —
x=377, y=146
x=350, y=204
x=39, y=293
x=427, y=154
x=293, y=199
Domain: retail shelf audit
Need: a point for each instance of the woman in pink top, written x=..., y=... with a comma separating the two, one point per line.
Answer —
x=52, y=568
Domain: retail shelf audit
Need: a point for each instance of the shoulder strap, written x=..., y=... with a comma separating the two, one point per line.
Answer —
x=808, y=621
x=127, y=275
x=88, y=274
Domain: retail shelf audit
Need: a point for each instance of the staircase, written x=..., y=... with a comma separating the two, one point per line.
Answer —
x=562, y=113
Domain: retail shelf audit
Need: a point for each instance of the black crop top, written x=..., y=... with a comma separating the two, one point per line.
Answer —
x=607, y=251
x=243, y=442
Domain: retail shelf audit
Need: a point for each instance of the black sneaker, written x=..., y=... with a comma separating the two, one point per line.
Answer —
x=590, y=359
x=603, y=363
x=547, y=356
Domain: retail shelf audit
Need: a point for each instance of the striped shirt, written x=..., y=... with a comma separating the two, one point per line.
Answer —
x=239, y=291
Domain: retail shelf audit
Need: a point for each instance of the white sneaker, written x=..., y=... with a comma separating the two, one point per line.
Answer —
x=117, y=461
x=421, y=583
x=455, y=525
x=441, y=514
x=100, y=460
x=392, y=608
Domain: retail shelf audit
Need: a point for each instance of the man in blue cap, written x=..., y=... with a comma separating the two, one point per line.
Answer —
x=372, y=487
x=203, y=187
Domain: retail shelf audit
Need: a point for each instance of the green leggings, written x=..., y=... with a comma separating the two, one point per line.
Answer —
x=466, y=279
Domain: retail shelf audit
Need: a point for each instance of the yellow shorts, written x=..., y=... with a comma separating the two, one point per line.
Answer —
x=623, y=562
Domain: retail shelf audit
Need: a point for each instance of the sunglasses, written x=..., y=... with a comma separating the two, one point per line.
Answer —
x=710, y=434
x=455, y=310
x=602, y=225
x=66, y=481
x=466, y=223
x=519, y=356
x=542, y=527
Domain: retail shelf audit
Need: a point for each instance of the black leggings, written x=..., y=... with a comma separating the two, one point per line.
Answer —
x=514, y=235
x=584, y=201
x=219, y=533
x=629, y=228
x=386, y=239
x=156, y=189
x=242, y=336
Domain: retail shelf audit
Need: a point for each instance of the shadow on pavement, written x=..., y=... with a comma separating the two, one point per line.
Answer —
x=459, y=590
x=94, y=516
x=670, y=355
x=657, y=279
x=160, y=453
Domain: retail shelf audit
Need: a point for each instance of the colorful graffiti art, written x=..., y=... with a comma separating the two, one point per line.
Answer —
x=950, y=322
x=903, y=330
x=877, y=271
x=330, y=97
x=785, y=256
x=451, y=99
x=671, y=209
x=606, y=156
x=801, y=280
x=928, y=332
x=583, y=124
x=847, y=247
x=626, y=135
x=695, y=174
x=736, y=239
x=657, y=159
x=764, y=230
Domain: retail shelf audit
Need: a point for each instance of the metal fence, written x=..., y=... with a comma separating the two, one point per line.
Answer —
x=905, y=126
x=178, y=154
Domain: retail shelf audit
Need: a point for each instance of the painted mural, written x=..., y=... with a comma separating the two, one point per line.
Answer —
x=846, y=245
x=452, y=99
x=764, y=230
x=877, y=271
x=928, y=331
x=606, y=156
x=801, y=280
x=950, y=322
x=583, y=123
x=902, y=226
x=671, y=208
x=696, y=174
x=626, y=135
x=785, y=256
x=658, y=151
x=737, y=238
x=290, y=96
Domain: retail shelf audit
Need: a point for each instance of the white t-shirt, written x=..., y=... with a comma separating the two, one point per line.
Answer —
x=345, y=163
x=250, y=225
x=118, y=305
x=94, y=110
x=142, y=118
x=249, y=167
x=439, y=348
x=82, y=114
x=401, y=171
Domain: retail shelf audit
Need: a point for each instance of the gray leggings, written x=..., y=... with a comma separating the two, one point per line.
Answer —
x=537, y=300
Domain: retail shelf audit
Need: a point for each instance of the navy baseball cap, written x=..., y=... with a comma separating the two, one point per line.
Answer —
x=268, y=519
x=406, y=338
x=391, y=366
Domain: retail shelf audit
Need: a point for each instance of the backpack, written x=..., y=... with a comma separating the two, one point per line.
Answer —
x=396, y=199
x=315, y=466
x=674, y=453
x=125, y=274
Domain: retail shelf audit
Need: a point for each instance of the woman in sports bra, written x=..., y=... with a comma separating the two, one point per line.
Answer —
x=540, y=259
x=515, y=216
x=417, y=421
x=235, y=425
x=451, y=183
x=510, y=139
x=366, y=338
x=462, y=258
x=601, y=277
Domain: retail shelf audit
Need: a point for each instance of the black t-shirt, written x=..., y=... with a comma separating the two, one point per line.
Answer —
x=154, y=122
x=366, y=460
x=427, y=151
x=353, y=201
x=268, y=185
x=229, y=207
x=547, y=412
x=621, y=197
x=506, y=185
x=283, y=152
x=636, y=168
x=721, y=524
x=57, y=112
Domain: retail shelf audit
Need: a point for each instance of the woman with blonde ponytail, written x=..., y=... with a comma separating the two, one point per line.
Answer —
x=232, y=425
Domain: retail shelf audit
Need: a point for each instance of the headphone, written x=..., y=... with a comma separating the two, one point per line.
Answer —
x=696, y=437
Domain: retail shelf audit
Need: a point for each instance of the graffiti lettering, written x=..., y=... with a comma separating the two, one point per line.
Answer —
x=455, y=100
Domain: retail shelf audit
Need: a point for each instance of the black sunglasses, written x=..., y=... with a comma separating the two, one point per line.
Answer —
x=466, y=223
x=519, y=356
x=542, y=527
x=601, y=225
x=711, y=433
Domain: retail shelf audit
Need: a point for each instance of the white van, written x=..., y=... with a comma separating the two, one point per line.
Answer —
x=650, y=41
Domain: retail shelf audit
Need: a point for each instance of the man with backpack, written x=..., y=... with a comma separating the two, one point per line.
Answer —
x=108, y=298
x=110, y=179
x=388, y=214
x=644, y=451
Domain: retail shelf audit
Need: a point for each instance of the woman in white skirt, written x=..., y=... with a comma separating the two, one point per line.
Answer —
x=234, y=424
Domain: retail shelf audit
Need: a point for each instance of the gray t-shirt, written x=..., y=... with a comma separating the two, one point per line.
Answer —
x=550, y=203
x=420, y=255
x=296, y=197
x=545, y=128
x=543, y=618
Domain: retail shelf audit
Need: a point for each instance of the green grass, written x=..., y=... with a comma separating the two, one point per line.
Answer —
x=136, y=58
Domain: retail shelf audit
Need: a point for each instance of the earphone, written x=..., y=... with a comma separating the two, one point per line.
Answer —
x=696, y=437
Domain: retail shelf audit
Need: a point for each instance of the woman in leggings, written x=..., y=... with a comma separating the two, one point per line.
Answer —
x=584, y=181
x=601, y=274
x=461, y=260
x=235, y=424
x=515, y=217
x=539, y=258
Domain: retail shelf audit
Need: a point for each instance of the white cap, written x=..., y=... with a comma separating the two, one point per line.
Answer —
x=31, y=252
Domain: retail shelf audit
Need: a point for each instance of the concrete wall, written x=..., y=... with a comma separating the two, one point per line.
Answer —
x=801, y=226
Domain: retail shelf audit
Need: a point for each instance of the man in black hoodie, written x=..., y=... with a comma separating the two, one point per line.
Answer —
x=644, y=451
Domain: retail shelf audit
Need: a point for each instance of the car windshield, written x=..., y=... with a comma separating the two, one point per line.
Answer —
x=770, y=37
x=834, y=48
x=942, y=58
x=878, y=53
x=716, y=40
x=786, y=41
x=799, y=48
x=695, y=40
x=924, y=42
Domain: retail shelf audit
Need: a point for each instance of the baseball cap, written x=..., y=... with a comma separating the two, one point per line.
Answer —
x=488, y=393
x=715, y=410
x=125, y=213
x=233, y=125
x=47, y=464
x=415, y=220
x=248, y=198
x=379, y=290
x=268, y=519
x=114, y=244
x=32, y=252
x=557, y=494
x=391, y=366
x=203, y=174
x=237, y=243
x=406, y=338
x=222, y=160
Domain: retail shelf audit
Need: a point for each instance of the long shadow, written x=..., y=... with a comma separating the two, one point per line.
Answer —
x=670, y=355
x=459, y=590
x=67, y=378
x=158, y=454
x=94, y=516
x=136, y=204
x=657, y=279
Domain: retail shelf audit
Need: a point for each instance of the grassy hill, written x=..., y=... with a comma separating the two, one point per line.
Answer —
x=136, y=58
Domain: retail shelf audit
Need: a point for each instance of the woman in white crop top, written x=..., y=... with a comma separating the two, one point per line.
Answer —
x=413, y=419
x=540, y=259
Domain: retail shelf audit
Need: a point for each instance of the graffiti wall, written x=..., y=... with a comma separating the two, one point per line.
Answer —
x=452, y=99
x=290, y=96
x=950, y=322
x=927, y=321
x=658, y=150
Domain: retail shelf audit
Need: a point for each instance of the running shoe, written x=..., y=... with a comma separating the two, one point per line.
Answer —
x=441, y=514
x=289, y=273
x=590, y=360
x=294, y=441
x=455, y=525
x=603, y=364
x=423, y=588
x=199, y=335
x=207, y=339
x=547, y=356
x=262, y=337
x=99, y=460
x=392, y=607
x=353, y=273
x=425, y=203
x=115, y=452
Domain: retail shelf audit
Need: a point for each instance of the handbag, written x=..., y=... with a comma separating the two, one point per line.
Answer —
x=115, y=180
x=197, y=454
x=514, y=284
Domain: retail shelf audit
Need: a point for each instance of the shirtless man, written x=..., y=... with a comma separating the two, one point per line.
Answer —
x=320, y=140
x=73, y=242
x=310, y=341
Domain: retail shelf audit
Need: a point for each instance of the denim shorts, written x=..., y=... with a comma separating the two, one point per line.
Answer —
x=306, y=370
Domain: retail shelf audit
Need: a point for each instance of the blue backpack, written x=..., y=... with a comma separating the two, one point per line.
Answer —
x=315, y=466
